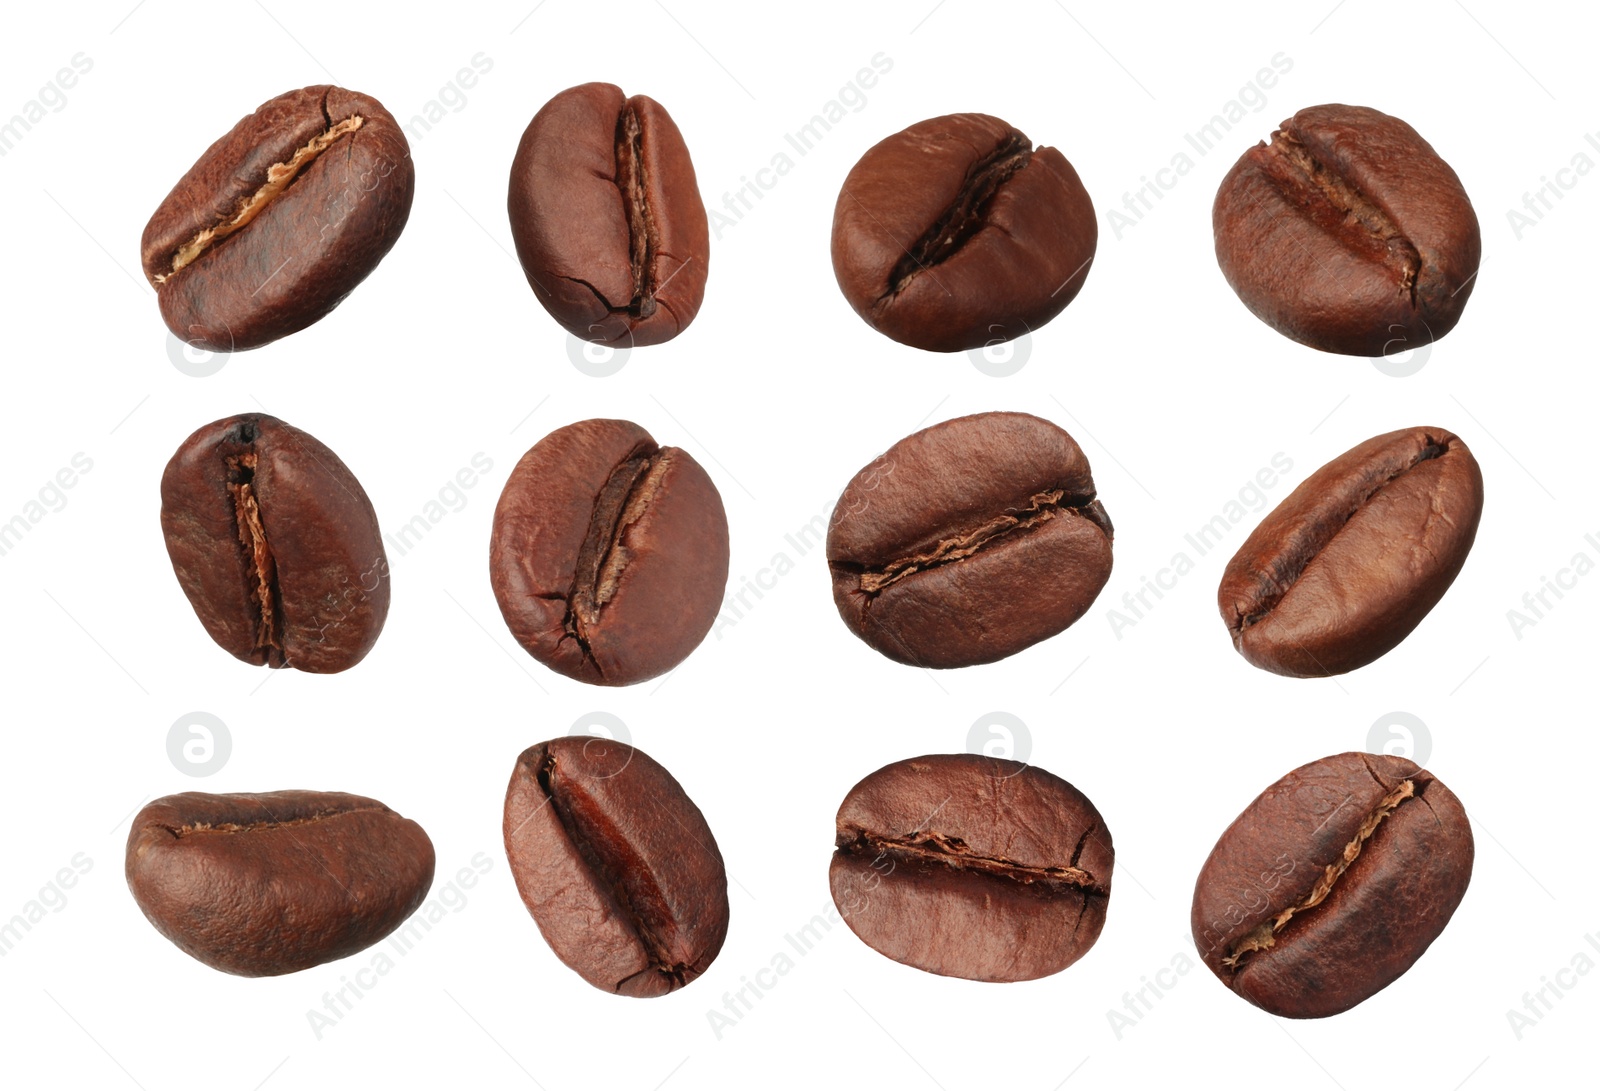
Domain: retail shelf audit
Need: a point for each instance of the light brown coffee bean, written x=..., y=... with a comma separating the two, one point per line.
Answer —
x=271, y=883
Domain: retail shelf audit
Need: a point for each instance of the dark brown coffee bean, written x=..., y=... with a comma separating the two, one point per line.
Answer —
x=1354, y=558
x=969, y=541
x=609, y=553
x=280, y=219
x=1332, y=884
x=616, y=864
x=1348, y=233
x=607, y=217
x=958, y=232
x=267, y=884
x=971, y=866
x=276, y=545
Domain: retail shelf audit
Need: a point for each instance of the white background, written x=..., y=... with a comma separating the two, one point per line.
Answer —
x=1176, y=392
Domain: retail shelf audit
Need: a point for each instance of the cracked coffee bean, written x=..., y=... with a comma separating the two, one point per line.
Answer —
x=607, y=217
x=616, y=864
x=1352, y=560
x=1332, y=884
x=969, y=541
x=958, y=233
x=276, y=545
x=270, y=883
x=1348, y=233
x=971, y=866
x=280, y=219
x=609, y=553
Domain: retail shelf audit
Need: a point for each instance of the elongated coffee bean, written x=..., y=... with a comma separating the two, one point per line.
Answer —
x=266, y=884
x=958, y=232
x=971, y=866
x=609, y=553
x=1348, y=233
x=280, y=219
x=1332, y=884
x=276, y=545
x=1353, y=559
x=969, y=541
x=616, y=864
x=607, y=217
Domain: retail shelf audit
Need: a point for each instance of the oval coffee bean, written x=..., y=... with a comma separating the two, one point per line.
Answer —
x=971, y=866
x=1348, y=233
x=607, y=217
x=276, y=545
x=958, y=233
x=969, y=541
x=1353, y=559
x=616, y=864
x=271, y=883
x=609, y=553
x=1332, y=884
x=280, y=219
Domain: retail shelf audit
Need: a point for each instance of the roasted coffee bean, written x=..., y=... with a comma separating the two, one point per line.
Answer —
x=609, y=553
x=969, y=541
x=1348, y=233
x=1353, y=559
x=276, y=545
x=267, y=884
x=607, y=217
x=971, y=866
x=616, y=864
x=1332, y=884
x=280, y=219
x=958, y=232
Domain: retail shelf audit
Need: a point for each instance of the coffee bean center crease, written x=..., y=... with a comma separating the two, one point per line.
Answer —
x=1040, y=508
x=1264, y=935
x=624, y=874
x=1341, y=209
x=279, y=177
x=927, y=847
x=189, y=828
x=604, y=556
x=964, y=217
x=642, y=238
x=258, y=554
x=1300, y=552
